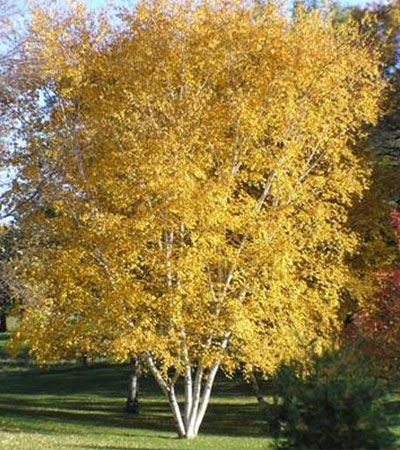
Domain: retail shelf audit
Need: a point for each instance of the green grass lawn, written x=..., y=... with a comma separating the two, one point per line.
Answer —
x=72, y=407
x=82, y=408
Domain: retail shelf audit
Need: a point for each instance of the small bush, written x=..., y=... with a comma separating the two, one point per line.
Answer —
x=335, y=405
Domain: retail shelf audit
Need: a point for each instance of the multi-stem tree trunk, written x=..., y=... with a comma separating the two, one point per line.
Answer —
x=132, y=401
x=197, y=396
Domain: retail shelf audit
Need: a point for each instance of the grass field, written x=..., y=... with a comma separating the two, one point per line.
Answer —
x=82, y=408
x=72, y=407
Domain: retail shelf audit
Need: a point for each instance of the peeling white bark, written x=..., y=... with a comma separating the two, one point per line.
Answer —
x=205, y=398
x=196, y=396
x=132, y=401
x=176, y=411
x=188, y=394
x=196, y=401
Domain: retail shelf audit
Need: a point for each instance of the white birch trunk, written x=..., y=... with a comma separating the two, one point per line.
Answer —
x=205, y=398
x=132, y=400
x=191, y=427
x=176, y=412
x=195, y=402
x=196, y=397
x=188, y=394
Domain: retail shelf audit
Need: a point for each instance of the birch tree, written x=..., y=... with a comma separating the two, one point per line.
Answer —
x=196, y=171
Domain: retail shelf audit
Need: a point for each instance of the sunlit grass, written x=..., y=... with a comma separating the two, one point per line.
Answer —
x=72, y=407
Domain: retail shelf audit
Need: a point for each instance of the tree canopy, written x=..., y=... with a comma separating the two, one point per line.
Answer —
x=191, y=172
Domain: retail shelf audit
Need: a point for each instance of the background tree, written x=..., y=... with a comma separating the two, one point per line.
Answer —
x=371, y=217
x=195, y=171
x=375, y=330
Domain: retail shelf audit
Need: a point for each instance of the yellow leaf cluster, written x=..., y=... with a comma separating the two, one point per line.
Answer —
x=197, y=169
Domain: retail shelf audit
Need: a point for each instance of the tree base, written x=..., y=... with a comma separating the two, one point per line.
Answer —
x=132, y=406
x=3, y=323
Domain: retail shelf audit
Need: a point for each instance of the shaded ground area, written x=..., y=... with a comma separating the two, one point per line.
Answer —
x=72, y=407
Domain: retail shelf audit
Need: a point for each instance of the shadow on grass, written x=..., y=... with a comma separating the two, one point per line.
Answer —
x=221, y=419
x=94, y=397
